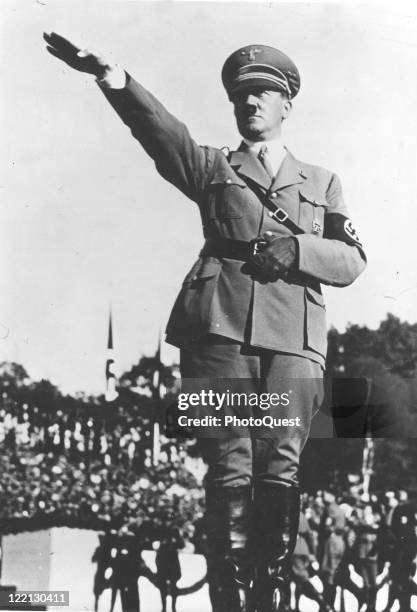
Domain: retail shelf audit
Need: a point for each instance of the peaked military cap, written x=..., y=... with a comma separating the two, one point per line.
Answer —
x=259, y=65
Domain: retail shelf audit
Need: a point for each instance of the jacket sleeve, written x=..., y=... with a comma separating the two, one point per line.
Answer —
x=177, y=157
x=337, y=258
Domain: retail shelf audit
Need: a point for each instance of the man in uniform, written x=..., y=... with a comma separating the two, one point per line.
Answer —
x=402, y=528
x=331, y=544
x=304, y=558
x=251, y=307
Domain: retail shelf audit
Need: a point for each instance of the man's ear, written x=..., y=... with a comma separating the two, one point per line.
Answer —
x=286, y=108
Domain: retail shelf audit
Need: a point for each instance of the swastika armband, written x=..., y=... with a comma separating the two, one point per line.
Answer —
x=339, y=227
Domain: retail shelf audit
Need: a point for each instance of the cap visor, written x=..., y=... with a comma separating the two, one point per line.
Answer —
x=255, y=82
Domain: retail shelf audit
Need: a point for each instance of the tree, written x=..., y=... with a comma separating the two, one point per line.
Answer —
x=394, y=344
x=13, y=375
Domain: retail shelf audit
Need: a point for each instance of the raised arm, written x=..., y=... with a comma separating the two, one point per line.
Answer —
x=177, y=157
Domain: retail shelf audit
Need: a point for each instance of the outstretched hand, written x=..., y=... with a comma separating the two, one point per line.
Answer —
x=86, y=60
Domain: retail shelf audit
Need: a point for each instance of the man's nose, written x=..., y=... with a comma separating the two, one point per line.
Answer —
x=250, y=100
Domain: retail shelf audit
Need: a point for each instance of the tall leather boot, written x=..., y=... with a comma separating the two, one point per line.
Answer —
x=229, y=568
x=277, y=513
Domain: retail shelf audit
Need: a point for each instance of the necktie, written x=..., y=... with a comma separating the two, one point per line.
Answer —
x=265, y=161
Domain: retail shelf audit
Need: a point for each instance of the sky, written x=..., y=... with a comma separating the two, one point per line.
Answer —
x=86, y=221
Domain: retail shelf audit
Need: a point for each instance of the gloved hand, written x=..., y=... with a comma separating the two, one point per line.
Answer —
x=274, y=260
x=86, y=60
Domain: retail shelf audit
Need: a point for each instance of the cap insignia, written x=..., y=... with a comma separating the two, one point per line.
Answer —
x=251, y=54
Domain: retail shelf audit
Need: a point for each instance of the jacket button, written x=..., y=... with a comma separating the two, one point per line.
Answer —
x=274, y=194
x=228, y=181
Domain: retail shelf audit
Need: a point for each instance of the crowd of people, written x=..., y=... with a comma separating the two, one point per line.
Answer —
x=357, y=543
x=42, y=490
x=80, y=429
x=83, y=462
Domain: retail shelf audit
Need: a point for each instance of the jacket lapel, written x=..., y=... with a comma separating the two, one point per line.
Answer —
x=247, y=164
x=290, y=173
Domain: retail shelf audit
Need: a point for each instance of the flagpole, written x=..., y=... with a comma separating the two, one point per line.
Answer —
x=368, y=449
x=111, y=392
x=367, y=466
x=157, y=395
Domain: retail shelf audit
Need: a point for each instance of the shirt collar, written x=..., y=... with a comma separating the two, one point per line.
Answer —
x=275, y=146
x=276, y=151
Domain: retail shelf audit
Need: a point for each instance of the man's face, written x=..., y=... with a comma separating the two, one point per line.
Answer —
x=260, y=112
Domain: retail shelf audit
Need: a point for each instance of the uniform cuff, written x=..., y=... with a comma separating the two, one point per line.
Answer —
x=114, y=78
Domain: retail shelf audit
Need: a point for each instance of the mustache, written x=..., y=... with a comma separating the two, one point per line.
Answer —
x=246, y=112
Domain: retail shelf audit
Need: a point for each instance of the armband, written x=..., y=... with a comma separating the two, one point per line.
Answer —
x=339, y=227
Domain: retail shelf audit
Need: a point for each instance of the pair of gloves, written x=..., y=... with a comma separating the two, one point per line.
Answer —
x=275, y=258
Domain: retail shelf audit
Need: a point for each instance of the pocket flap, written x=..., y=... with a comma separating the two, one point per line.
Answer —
x=210, y=266
x=203, y=268
x=310, y=196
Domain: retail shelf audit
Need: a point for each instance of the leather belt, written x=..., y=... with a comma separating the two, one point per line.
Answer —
x=242, y=251
x=227, y=247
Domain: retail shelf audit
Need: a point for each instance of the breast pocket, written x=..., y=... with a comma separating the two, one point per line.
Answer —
x=225, y=197
x=312, y=211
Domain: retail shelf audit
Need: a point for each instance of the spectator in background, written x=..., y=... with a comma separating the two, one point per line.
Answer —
x=402, y=522
x=168, y=568
x=331, y=545
x=343, y=573
x=367, y=525
x=303, y=557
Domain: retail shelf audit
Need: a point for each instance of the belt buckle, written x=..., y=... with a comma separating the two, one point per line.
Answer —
x=280, y=215
x=258, y=246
